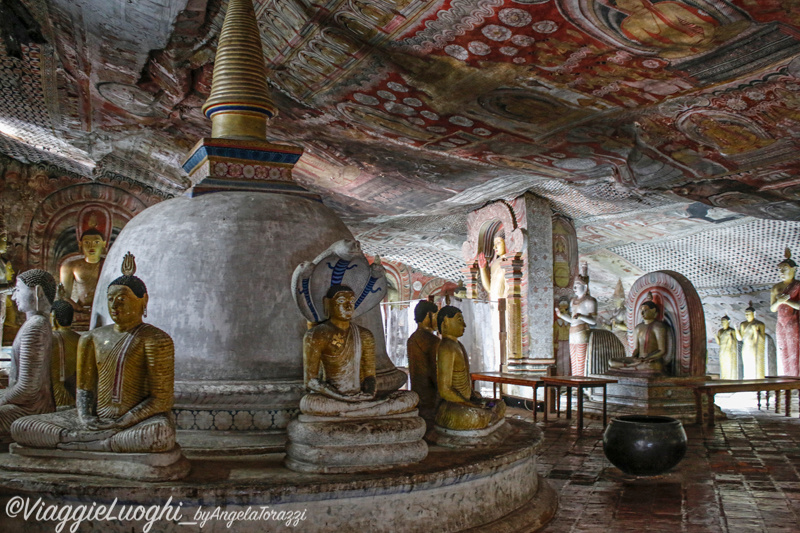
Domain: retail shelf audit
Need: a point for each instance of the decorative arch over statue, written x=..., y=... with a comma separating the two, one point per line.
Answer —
x=527, y=270
x=59, y=213
x=680, y=305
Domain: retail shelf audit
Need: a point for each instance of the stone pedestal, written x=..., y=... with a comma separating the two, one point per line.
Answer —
x=166, y=466
x=476, y=438
x=492, y=490
x=329, y=445
x=648, y=395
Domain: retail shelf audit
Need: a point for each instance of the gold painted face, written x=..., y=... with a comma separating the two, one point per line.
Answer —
x=749, y=315
x=343, y=305
x=725, y=323
x=124, y=306
x=648, y=313
x=499, y=246
x=92, y=247
x=787, y=272
x=454, y=326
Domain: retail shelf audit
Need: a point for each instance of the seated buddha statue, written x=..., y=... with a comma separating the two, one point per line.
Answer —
x=421, y=348
x=461, y=408
x=124, y=384
x=80, y=274
x=29, y=391
x=64, y=360
x=339, y=366
x=650, y=348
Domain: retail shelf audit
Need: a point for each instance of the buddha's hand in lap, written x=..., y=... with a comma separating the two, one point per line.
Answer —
x=101, y=424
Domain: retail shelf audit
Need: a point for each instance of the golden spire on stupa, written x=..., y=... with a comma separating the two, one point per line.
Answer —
x=240, y=102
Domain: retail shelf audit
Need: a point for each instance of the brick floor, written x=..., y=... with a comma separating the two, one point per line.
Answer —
x=741, y=476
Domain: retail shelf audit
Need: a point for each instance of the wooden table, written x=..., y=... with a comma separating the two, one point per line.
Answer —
x=777, y=394
x=525, y=379
x=710, y=388
x=581, y=382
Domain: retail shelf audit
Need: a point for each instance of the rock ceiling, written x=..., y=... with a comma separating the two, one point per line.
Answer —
x=664, y=127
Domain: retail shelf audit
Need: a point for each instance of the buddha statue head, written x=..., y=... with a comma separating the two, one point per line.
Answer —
x=649, y=311
x=787, y=267
x=35, y=291
x=581, y=285
x=725, y=321
x=340, y=303
x=425, y=313
x=499, y=244
x=61, y=314
x=450, y=321
x=92, y=246
x=127, y=296
x=750, y=312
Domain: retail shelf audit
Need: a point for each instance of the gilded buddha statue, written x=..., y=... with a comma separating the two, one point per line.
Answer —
x=651, y=345
x=29, y=391
x=64, y=360
x=753, y=334
x=124, y=400
x=728, y=350
x=345, y=425
x=339, y=365
x=79, y=275
x=421, y=348
x=461, y=407
x=493, y=278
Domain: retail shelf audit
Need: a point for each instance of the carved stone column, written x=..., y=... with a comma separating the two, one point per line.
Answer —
x=513, y=269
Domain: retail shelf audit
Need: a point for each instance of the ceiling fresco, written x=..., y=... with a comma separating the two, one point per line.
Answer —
x=658, y=125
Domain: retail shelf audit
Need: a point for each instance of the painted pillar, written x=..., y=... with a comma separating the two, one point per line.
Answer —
x=538, y=278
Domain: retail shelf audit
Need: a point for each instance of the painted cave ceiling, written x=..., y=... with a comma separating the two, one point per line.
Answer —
x=661, y=127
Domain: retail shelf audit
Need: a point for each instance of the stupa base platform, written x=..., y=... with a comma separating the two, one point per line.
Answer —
x=480, y=490
x=648, y=395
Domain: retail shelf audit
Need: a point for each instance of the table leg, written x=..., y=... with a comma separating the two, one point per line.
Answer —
x=545, y=410
x=580, y=409
x=494, y=390
x=604, y=406
x=788, y=394
x=558, y=401
x=710, y=398
x=698, y=407
x=758, y=397
x=569, y=403
x=777, y=401
x=535, y=389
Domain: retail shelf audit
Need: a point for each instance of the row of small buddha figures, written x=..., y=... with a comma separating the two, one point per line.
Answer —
x=124, y=383
x=121, y=385
x=752, y=334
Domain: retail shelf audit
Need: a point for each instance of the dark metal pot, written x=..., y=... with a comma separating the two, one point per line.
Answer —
x=644, y=445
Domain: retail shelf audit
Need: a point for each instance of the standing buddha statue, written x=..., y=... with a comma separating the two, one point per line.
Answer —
x=753, y=335
x=785, y=300
x=728, y=350
x=583, y=316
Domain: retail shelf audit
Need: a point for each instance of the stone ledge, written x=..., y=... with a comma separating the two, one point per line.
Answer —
x=451, y=490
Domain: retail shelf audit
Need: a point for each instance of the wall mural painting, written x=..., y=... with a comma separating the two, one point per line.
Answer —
x=668, y=29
